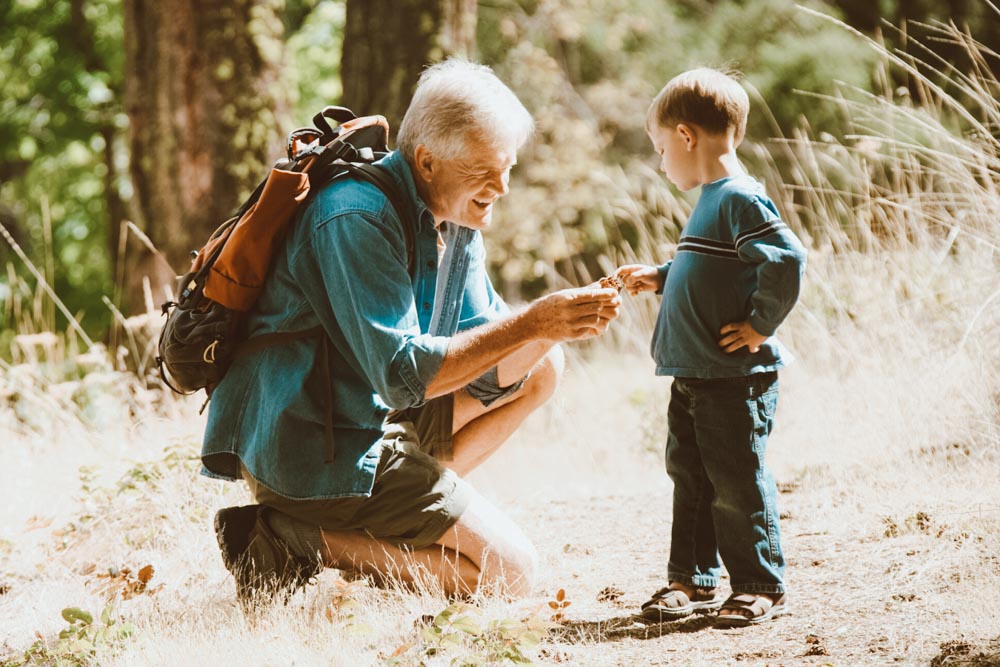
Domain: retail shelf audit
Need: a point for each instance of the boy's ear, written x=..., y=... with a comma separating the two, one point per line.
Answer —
x=688, y=135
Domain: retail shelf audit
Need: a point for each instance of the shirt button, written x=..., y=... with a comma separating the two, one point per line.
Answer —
x=427, y=306
x=431, y=264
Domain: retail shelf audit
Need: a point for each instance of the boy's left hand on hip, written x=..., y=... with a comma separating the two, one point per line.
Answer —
x=737, y=334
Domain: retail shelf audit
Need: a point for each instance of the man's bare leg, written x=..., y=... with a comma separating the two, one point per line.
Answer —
x=358, y=552
x=484, y=550
x=480, y=430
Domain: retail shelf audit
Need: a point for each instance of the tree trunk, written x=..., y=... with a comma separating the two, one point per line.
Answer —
x=207, y=114
x=388, y=42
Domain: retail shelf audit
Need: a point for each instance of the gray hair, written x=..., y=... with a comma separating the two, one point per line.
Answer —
x=457, y=100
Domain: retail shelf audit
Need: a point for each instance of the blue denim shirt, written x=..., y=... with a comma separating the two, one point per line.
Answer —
x=344, y=267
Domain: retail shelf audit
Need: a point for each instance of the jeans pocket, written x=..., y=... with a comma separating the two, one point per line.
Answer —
x=767, y=404
x=764, y=387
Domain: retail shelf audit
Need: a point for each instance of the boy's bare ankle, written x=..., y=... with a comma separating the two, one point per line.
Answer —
x=687, y=589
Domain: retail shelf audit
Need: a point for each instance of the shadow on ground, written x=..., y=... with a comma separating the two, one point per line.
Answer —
x=628, y=627
x=966, y=654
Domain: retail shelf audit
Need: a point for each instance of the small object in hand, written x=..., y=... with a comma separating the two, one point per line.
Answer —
x=612, y=281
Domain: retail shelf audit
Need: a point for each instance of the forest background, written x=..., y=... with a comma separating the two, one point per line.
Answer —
x=167, y=116
x=130, y=129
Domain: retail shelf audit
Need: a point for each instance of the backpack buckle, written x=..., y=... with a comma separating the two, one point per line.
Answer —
x=300, y=141
x=343, y=151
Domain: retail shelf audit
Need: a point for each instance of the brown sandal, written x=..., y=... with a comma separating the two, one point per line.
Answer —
x=750, y=609
x=671, y=603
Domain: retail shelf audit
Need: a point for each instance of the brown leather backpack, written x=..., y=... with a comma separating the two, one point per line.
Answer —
x=204, y=328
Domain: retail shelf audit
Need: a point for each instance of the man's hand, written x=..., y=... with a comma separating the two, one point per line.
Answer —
x=570, y=314
x=640, y=278
x=574, y=314
x=737, y=334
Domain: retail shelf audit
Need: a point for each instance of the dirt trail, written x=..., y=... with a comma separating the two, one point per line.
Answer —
x=849, y=606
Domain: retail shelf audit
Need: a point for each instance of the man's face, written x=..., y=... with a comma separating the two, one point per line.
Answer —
x=676, y=158
x=463, y=190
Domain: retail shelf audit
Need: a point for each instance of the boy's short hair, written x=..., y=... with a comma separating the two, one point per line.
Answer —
x=711, y=99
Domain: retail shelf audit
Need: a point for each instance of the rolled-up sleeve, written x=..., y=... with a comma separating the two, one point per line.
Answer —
x=355, y=278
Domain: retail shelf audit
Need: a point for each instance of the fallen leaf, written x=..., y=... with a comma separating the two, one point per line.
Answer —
x=145, y=574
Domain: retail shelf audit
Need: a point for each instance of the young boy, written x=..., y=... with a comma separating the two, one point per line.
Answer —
x=733, y=280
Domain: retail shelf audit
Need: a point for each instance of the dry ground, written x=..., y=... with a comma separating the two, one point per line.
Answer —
x=858, y=597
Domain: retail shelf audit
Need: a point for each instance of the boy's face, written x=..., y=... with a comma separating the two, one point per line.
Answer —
x=675, y=146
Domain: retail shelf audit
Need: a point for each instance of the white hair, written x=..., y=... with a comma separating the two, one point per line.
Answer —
x=457, y=101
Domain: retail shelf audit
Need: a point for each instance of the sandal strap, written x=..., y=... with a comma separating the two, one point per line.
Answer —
x=665, y=594
x=748, y=604
x=660, y=594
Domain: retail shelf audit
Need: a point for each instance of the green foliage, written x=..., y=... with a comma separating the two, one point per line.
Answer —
x=783, y=51
x=585, y=191
x=142, y=479
x=460, y=635
x=80, y=642
x=61, y=140
x=588, y=70
x=343, y=605
x=314, y=52
x=150, y=473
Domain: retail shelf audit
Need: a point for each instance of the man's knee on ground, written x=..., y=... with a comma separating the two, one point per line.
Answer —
x=506, y=558
x=512, y=573
x=511, y=561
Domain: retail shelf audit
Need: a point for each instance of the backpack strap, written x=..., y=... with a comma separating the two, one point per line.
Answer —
x=381, y=179
x=264, y=341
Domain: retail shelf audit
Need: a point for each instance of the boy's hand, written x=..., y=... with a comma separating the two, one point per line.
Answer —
x=737, y=334
x=640, y=278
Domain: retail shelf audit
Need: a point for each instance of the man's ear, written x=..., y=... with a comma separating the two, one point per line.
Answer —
x=689, y=136
x=423, y=162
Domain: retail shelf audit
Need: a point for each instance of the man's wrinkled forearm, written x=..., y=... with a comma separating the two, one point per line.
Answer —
x=473, y=352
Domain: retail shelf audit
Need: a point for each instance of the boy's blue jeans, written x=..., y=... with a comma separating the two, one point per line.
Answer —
x=725, y=500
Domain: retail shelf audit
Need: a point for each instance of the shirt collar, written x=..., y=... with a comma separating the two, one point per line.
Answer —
x=397, y=165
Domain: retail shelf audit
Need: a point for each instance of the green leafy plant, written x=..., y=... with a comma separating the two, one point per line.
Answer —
x=81, y=640
x=143, y=478
x=460, y=634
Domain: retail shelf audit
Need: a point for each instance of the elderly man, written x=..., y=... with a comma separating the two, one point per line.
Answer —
x=414, y=369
